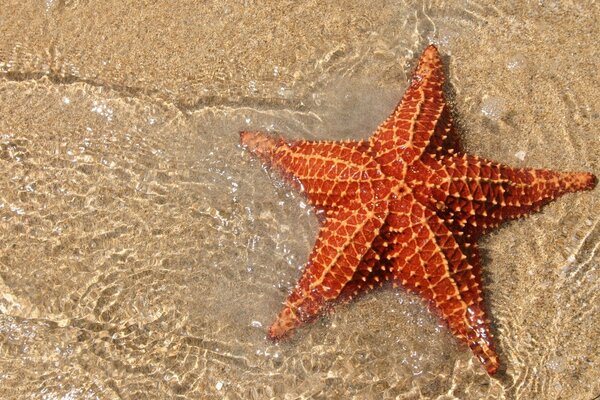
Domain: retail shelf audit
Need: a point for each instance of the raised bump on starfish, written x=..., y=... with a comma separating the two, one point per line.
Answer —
x=406, y=206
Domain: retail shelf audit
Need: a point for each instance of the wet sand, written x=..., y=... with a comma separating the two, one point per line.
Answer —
x=143, y=252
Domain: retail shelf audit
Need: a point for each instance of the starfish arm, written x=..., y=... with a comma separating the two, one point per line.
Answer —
x=344, y=239
x=372, y=272
x=481, y=194
x=329, y=173
x=427, y=259
x=422, y=117
x=445, y=141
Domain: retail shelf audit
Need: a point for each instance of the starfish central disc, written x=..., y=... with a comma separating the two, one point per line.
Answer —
x=406, y=206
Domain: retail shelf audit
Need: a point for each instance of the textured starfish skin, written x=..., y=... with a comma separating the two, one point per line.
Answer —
x=406, y=206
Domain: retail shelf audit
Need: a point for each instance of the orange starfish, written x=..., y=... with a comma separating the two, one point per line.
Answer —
x=407, y=206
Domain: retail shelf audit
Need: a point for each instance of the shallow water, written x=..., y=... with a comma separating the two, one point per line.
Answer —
x=143, y=253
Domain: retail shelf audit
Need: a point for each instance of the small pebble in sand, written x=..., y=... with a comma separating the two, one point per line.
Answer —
x=520, y=155
x=493, y=107
x=515, y=63
x=256, y=324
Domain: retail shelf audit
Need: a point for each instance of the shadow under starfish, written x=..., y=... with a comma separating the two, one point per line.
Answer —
x=406, y=206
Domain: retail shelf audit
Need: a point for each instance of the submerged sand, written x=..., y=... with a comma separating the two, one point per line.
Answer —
x=143, y=253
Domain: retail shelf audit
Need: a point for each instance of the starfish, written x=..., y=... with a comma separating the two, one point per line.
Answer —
x=406, y=206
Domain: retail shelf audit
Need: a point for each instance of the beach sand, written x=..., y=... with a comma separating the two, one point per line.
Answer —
x=144, y=253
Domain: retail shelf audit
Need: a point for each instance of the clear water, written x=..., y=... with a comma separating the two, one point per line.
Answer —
x=143, y=253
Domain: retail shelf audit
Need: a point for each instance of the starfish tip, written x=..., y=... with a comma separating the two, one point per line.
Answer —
x=430, y=64
x=580, y=181
x=259, y=143
x=430, y=49
x=591, y=181
x=492, y=368
x=277, y=332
